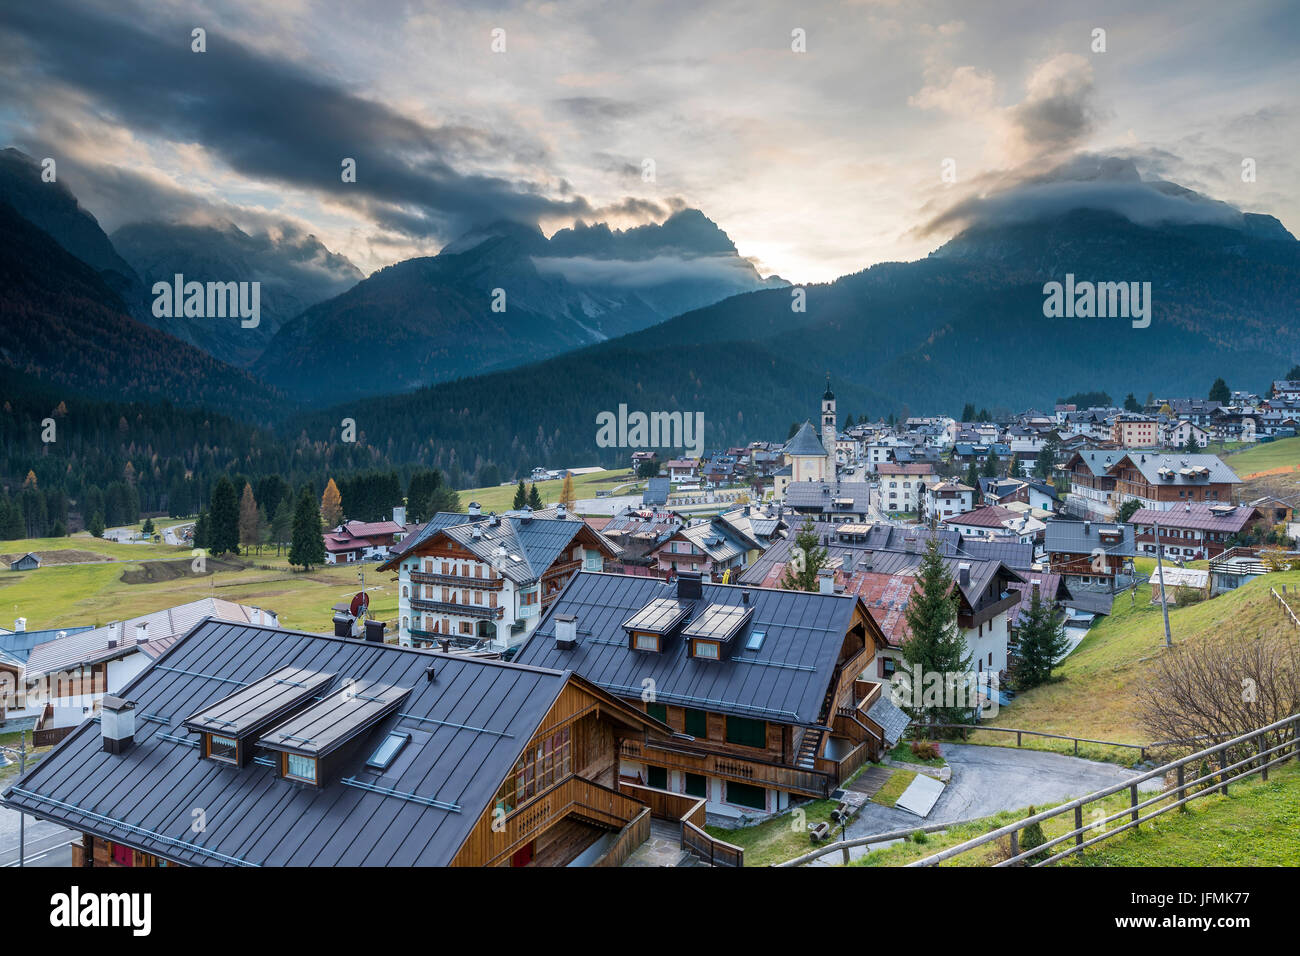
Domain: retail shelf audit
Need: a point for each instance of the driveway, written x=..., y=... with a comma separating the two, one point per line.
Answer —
x=988, y=780
x=46, y=842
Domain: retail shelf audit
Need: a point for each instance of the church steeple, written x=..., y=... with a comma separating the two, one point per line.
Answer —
x=829, y=420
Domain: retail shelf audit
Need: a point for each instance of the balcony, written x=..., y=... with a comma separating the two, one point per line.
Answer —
x=808, y=782
x=480, y=611
x=985, y=611
x=457, y=581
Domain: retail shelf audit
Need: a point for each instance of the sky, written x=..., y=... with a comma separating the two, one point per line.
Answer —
x=822, y=137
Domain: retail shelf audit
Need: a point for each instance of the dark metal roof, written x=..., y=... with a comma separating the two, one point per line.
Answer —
x=251, y=708
x=468, y=727
x=805, y=443
x=659, y=616
x=784, y=680
x=719, y=622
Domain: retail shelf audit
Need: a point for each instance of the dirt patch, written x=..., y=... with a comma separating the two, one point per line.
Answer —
x=154, y=572
x=62, y=556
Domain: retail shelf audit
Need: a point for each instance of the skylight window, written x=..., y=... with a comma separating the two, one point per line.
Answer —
x=387, y=751
x=755, y=640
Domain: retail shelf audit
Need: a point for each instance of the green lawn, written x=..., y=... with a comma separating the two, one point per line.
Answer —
x=898, y=781
x=49, y=549
x=500, y=498
x=1281, y=453
x=97, y=593
x=1098, y=694
x=780, y=838
x=903, y=752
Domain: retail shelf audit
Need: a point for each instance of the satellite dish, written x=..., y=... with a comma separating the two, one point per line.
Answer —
x=360, y=604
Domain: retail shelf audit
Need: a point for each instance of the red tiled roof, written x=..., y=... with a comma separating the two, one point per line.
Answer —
x=990, y=516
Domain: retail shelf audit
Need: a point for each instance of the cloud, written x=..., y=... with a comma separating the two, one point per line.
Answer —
x=1059, y=109
x=966, y=90
x=274, y=121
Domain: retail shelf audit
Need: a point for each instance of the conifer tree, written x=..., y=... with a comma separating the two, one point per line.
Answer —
x=807, y=557
x=567, y=497
x=223, y=519
x=935, y=650
x=991, y=464
x=331, y=505
x=521, y=496
x=308, y=546
x=96, y=525
x=282, y=523
x=1041, y=644
x=250, y=531
x=535, y=498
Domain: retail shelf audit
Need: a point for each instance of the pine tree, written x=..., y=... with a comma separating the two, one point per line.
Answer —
x=282, y=523
x=968, y=412
x=96, y=525
x=807, y=557
x=567, y=497
x=331, y=505
x=935, y=649
x=308, y=545
x=201, y=525
x=250, y=532
x=1219, y=392
x=991, y=464
x=147, y=527
x=1040, y=645
x=972, y=476
x=442, y=498
x=535, y=498
x=521, y=496
x=223, y=519
x=1131, y=403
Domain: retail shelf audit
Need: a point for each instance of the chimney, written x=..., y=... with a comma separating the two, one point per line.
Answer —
x=474, y=509
x=1035, y=583
x=1087, y=527
x=399, y=514
x=963, y=574
x=566, y=631
x=826, y=581
x=20, y=624
x=848, y=561
x=375, y=632
x=561, y=511
x=689, y=586
x=117, y=724
x=446, y=646
x=744, y=596
x=342, y=624
x=142, y=632
x=429, y=674
x=476, y=532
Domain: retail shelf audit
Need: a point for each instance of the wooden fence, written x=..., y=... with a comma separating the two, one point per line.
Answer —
x=1263, y=748
x=1285, y=606
x=688, y=812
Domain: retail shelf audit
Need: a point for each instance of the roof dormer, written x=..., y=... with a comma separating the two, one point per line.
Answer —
x=649, y=628
x=709, y=636
x=229, y=727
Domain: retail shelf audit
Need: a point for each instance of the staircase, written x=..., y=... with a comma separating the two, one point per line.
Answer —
x=810, y=747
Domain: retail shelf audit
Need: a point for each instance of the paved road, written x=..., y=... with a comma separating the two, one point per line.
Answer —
x=46, y=842
x=988, y=780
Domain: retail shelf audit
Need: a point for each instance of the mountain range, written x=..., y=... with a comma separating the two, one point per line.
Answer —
x=662, y=317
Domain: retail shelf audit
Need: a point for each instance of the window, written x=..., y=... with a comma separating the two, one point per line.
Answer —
x=223, y=748
x=755, y=640
x=656, y=777
x=298, y=767
x=746, y=795
x=746, y=732
x=697, y=785
x=390, y=748
x=706, y=650
x=543, y=765
x=645, y=642
x=697, y=723
x=658, y=711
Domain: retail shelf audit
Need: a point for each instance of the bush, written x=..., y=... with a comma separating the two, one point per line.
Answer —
x=925, y=750
x=1031, y=837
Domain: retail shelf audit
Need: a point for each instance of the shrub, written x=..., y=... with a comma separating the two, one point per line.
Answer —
x=925, y=750
x=1031, y=837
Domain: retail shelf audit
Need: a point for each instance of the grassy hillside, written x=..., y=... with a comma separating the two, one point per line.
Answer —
x=500, y=498
x=97, y=593
x=1267, y=457
x=1098, y=696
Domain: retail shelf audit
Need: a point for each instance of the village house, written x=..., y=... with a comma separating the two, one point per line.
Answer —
x=1165, y=482
x=324, y=751
x=947, y=497
x=1176, y=432
x=1091, y=554
x=682, y=470
x=996, y=521
x=901, y=486
x=364, y=540
x=1130, y=430
x=471, y=579
x=829, y=500
x=715, y=548
x=1194, y=531
x=761, y=686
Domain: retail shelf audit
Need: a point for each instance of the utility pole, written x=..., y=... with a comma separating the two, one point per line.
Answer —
x=22, y=817
x=1164, y=587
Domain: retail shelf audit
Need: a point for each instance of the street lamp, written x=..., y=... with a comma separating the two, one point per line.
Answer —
x=21, y=754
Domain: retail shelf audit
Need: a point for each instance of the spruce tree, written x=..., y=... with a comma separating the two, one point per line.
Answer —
x=973, y=476
x=96, y=525
x=223, y=518
x=807, y=557
x=308, y=545
x=535, y=498
x=1219, y=392
x=991, y=464
x=1041, y=644
x=521, y=496
x=935, y=650
x=282, y=523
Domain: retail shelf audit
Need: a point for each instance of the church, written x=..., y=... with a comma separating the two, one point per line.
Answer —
x=807, y=457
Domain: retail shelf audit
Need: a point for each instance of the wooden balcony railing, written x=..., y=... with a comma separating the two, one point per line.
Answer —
x=457, y=580
x=813, y=783
x=573, y=795
x=687, y=811
x=457, y=609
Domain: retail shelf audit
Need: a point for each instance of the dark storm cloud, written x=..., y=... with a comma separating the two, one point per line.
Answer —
x=271, y=119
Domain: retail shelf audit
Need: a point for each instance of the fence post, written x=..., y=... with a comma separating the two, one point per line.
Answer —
x=1017, y=738
x=1076, y=746
x=1015, y=845
x=1182, y=790
x=1263, y=761
x=1133, y=802
x=1078, y=825
x=1223, y=767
